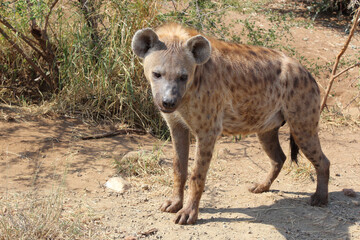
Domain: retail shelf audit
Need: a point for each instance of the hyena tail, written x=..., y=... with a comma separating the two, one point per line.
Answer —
x=294, y=148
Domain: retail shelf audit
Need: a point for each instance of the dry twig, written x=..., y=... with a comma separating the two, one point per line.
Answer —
x=49, y=13
x=114, y=133
x=333, y=76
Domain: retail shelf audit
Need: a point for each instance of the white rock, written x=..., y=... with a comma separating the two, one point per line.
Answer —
x=117, y=184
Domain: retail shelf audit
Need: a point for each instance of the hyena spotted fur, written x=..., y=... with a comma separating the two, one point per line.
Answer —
x=209, y=87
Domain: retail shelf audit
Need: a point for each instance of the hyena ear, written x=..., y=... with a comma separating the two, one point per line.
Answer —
x=143, y=41
x=200, y=48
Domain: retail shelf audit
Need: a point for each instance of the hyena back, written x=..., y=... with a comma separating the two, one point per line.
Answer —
x=210, y=87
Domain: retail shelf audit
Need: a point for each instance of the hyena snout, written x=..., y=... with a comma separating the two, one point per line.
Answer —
x=169, y=103
x=170, y=100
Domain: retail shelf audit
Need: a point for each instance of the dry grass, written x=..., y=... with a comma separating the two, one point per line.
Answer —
x=303, y=171
x=30, y=216
x=141, y=163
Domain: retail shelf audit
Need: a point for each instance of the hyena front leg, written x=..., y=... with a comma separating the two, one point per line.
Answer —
x=270, y=143
x=181, y=140
x=204, y=150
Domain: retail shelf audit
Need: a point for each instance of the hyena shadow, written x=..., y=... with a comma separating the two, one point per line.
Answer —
x=294, y=218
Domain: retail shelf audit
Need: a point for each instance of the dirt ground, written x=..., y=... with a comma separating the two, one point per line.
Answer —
x=39, y=154
x=43, y=153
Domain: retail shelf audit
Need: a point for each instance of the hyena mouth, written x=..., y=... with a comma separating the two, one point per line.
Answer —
x=165, y=110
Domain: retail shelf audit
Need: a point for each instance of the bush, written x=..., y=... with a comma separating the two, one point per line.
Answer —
x=77, y=55
x=345, y=7
x=94, y=72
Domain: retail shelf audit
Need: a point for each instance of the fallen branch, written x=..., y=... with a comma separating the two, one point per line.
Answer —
x=333, y=76
x=114, y=133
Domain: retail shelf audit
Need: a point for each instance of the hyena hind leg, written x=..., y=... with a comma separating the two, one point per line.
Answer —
x=310, y=146
x=270, y=143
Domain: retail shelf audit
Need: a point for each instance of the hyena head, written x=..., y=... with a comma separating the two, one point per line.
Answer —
x=169, y=64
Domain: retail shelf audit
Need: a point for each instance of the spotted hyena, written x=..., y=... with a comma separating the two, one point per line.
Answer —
x=210, y=87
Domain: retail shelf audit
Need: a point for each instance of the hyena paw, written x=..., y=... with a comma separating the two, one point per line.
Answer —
x=172, y=205
x=259, y=188
x=319, y=200
x=186, y=215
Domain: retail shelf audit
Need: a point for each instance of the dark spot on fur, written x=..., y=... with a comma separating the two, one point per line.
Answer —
x=229, y=68
x=313, y=91
x=296, y=82
x=305, y=80
x=292, y=93
x=199, y=176
x=278, y=71
x=193, y=178
x=314, y=110
x=196, y=82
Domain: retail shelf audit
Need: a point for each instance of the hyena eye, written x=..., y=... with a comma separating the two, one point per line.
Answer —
x=156, y=74
x=183, y=78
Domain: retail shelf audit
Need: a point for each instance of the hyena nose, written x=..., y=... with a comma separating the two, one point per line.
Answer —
x=168, y=103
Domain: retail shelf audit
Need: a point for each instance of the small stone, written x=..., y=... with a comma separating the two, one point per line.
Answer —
x=145, y=187
x=305, y=39
x=338, y=175
x=117, y=184
x=349, y=192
